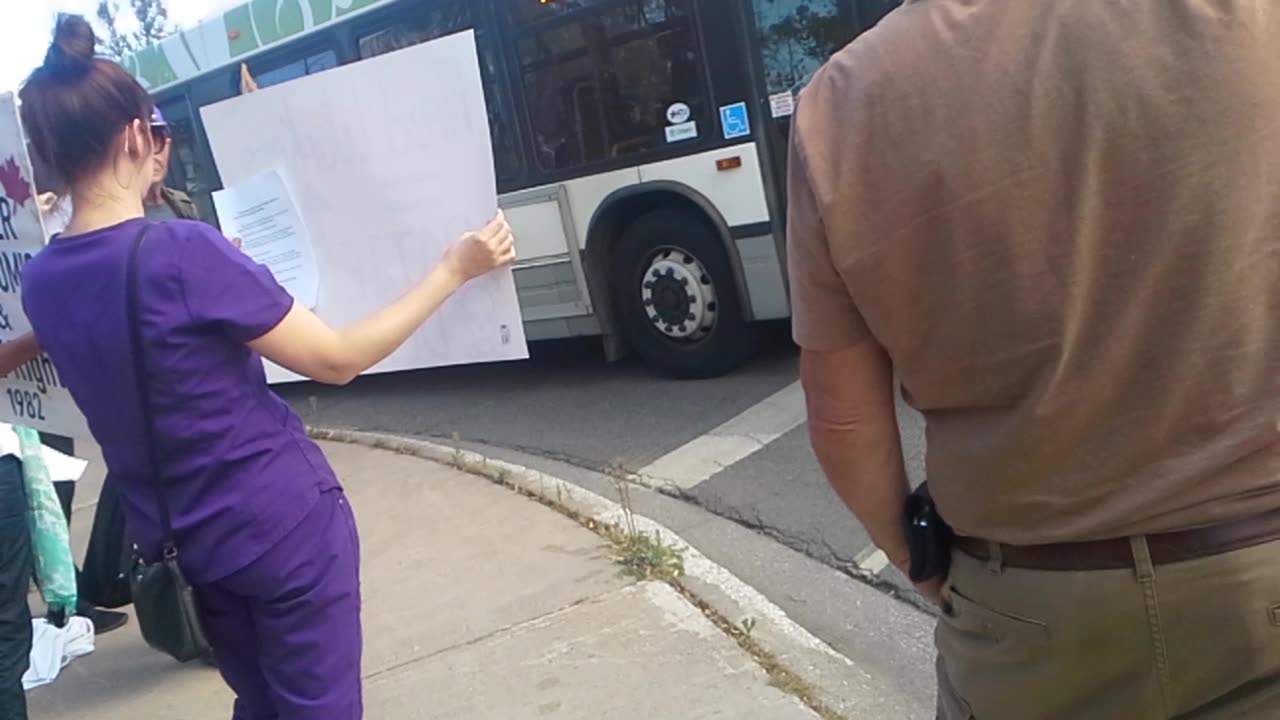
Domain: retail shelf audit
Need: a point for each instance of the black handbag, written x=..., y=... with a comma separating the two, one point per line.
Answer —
x=109, y=559
x=164, y=600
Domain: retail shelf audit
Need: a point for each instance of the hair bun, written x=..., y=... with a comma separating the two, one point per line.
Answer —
x=70, y=55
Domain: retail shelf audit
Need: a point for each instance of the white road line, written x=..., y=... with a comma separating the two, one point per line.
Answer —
x=759, y=425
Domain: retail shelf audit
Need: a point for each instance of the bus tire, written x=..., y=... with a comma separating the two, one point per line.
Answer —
x=676, y=296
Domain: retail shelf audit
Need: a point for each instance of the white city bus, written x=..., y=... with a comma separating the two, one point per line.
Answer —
x=639, y=144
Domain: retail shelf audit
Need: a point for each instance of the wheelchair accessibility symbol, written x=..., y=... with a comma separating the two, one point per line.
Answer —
x=734, y=121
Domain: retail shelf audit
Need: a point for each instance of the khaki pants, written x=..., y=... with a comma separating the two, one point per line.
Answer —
x=1196, y=640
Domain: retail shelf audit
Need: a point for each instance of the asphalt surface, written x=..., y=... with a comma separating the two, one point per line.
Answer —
x=768, y=516
x=567, y=404
x=568, y=413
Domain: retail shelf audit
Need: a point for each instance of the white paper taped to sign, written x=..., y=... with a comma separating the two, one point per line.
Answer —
x=260, y=212
x=385, y=181
x=33, y=395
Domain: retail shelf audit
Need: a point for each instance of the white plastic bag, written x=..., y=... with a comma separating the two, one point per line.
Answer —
x=53, y=648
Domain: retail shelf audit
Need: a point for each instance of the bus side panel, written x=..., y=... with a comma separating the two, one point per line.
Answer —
x=551, y=223
x=737, y=191
x=550, y=281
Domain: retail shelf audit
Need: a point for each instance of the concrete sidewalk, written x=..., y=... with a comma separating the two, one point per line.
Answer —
x=479, y=603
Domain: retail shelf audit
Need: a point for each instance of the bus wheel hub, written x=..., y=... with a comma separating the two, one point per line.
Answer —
x=678, y=296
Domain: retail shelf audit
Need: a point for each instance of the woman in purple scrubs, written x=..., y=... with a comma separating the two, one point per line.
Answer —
x=264, y=530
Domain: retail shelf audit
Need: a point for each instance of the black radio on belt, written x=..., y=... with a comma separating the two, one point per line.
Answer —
x=928, y=537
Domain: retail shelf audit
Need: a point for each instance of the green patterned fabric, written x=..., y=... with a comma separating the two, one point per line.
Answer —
x=50, y=540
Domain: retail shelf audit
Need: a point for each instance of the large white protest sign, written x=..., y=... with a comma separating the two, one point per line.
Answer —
x=33, y=395
x=389, y=161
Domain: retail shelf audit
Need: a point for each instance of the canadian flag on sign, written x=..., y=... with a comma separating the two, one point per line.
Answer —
x=16, y=187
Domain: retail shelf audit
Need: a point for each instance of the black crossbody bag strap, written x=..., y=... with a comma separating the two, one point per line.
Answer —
x=139, y=356
x=168, y=614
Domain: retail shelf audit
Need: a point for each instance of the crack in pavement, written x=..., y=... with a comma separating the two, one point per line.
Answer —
x=484, y=637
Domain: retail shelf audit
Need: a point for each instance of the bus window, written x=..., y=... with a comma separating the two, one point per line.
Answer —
x=796, y=38
x=446, y=18
x=524, y=11
x=188, y=170
x=599, y=86
x=440, y=19
x=309, y=65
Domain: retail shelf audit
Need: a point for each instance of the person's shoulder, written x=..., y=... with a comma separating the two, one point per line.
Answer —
x=196, y=243
x=183, y=237
x=33, y=270
x=179, y=197
x=870, y=90
x=186, y=230
x=181, y=203
x=866, y=67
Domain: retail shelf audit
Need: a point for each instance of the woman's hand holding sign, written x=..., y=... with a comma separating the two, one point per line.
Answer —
x=483, y=251
x=304, y=344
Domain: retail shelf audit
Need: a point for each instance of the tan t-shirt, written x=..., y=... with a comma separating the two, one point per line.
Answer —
x=1062, y=221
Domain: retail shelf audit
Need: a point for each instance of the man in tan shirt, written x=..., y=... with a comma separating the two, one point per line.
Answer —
x=1057, y=222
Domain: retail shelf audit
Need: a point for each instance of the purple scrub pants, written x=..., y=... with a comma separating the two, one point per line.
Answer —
x=286, y=629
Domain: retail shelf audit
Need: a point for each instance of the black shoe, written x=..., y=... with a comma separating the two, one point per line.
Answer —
x=104, y=621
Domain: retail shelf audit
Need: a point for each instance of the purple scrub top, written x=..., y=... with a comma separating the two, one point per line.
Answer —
x=237, y=464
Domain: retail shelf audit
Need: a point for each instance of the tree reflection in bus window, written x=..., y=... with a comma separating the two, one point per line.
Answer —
x=310, y=65
x=796, y=38
x=187, y=171
x=446, y=18
x=599, y=88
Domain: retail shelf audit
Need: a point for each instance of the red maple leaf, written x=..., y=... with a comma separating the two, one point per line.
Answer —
x=14, y=185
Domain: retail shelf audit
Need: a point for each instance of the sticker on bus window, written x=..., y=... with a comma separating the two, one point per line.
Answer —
x=683, y=131
x=678, y=113
x=734, y=121
x=782, y=104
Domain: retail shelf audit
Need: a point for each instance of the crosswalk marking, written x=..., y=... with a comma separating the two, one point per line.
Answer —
x=704, y=456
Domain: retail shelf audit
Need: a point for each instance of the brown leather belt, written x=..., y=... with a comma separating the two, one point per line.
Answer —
x=1117, y=554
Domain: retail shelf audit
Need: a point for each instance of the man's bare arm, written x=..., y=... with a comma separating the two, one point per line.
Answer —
x=17, y=353
x=854, y=430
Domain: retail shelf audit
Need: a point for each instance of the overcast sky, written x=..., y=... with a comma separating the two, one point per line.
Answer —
x=28, y=27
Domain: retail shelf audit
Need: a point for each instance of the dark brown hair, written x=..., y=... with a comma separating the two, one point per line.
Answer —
x=75, y=104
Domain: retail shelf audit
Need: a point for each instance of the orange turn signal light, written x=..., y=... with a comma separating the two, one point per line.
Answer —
x=729, y=163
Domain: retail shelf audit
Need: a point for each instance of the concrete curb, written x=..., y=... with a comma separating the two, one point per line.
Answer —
x=730, y=597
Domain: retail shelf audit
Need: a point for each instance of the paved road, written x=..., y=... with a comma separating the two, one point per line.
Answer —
x=735, y=445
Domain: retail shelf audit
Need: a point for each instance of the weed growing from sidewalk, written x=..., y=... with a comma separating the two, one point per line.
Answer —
x=642, y=556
